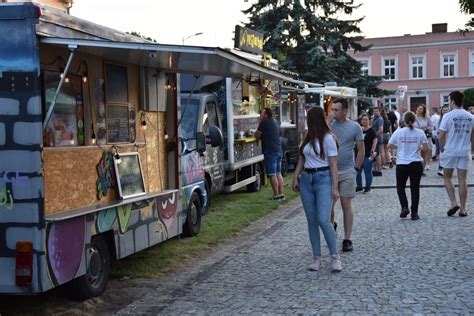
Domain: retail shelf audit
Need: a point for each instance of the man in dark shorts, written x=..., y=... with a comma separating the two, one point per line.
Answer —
x=269, y=132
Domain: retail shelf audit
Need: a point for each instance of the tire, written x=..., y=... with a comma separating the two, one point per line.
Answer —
x=192, y=226
x=284, y=166
x=257, y=184
x=94, y=282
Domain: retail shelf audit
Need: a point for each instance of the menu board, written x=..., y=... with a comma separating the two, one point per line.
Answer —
x=129, y=175
x=118, y=124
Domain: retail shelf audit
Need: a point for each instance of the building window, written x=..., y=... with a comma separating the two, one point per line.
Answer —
x=389, y=102
x=365, y=67
x=471, y=63
x=445, y=100
x=448, y=65
x=417, y=65
x=389, y=68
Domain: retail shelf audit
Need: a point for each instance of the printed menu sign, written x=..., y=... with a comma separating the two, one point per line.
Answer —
x=129, y=176
x=118, y=124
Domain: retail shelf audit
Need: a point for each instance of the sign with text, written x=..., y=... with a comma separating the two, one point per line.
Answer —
x=248, y=40
x=129, y=176
x=118, y=124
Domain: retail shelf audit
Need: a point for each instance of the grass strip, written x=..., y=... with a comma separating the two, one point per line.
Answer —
x=227, y=216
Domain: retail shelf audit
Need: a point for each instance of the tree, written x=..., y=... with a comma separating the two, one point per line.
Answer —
x=307, y=38
x=138, y=34
x=468, y=98
x=467, y=6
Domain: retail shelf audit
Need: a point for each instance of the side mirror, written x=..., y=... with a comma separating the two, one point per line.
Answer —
x=216, y=137
x=200, y=142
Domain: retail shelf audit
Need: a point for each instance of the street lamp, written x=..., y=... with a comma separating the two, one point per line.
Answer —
x=187, y=37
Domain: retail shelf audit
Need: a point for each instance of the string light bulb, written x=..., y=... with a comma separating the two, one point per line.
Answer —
x=93, y=139
x=143, y=121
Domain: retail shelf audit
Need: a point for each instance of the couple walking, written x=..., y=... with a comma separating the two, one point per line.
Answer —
x=455, y=138
x=325, y=173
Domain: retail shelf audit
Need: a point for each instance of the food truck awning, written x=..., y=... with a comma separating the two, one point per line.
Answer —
x=172, y=58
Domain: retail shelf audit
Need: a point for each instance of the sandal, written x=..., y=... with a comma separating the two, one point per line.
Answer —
x=463, y=214
x=453, y=210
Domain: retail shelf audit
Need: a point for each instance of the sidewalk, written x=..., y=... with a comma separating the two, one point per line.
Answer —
x=397, y=266
x=387, y=180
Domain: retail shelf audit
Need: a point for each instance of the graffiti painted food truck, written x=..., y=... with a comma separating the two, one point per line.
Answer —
x=93, y=162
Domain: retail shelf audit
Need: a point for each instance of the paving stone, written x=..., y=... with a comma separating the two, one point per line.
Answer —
x=397, y=266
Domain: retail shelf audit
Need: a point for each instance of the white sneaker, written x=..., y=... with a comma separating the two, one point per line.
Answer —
x=440, y=173
x=336, y=265
x=316, y=265
x=427, y=167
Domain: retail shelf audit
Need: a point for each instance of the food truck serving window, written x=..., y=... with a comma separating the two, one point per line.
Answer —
x=66, y=125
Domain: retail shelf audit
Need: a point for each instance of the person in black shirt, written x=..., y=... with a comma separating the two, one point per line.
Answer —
x=370, y=143
x=269, y=132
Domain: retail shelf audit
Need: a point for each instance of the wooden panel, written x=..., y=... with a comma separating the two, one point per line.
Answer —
x=70, y=174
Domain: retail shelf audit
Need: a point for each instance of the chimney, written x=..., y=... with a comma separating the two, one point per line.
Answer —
x=439, y=28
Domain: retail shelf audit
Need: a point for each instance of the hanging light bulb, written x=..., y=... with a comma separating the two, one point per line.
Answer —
x=117, y=158
x=93, y=139
x=84, y=77
x=143, y=121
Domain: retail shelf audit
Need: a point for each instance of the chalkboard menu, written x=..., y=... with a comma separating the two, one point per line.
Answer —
x=129, y=176
x=118, y=124
x=116, y=83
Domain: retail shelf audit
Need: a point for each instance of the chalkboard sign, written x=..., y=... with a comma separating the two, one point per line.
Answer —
x=129, y=176
x=116, y=83
x=118, y=124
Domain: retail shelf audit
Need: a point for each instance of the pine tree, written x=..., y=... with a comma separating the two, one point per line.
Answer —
x=307, y=38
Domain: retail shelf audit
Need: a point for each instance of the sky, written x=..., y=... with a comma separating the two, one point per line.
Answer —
x=169, y=22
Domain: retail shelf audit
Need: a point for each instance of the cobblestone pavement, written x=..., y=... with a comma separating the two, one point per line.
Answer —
x=397, y=266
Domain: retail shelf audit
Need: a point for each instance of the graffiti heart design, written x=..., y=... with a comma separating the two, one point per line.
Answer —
x=167, y=210
x=106, y=219
x=65, y=248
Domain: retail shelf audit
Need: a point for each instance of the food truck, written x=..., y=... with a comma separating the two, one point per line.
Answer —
x=324, y=96
x=94, y=162
x=292, y=113
x=233, y=105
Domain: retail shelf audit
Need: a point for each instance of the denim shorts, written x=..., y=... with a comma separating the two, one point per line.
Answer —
x=272, y=163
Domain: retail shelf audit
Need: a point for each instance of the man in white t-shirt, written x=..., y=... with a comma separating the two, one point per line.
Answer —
x=455, y=140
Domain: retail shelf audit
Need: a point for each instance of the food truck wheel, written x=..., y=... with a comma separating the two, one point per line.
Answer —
x=95, y=280
x=284, y=166
x=257, y=184
x=192, y=226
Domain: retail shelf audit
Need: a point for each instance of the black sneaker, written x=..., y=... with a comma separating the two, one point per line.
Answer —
x=414, y=216
x=367, y=190
x=404, y=213
x=359, y=189
x=346, y=245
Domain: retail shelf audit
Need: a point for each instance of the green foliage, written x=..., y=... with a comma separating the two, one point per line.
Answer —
x=467, y=6
x=138, y=34
x=468, y=98
x=227, y=216
x=307, y=39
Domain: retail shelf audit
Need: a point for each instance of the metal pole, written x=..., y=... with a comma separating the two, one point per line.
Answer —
x=53, y=102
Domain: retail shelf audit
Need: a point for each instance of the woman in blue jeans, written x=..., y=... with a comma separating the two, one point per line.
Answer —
x=370, y=142
x=315, y=178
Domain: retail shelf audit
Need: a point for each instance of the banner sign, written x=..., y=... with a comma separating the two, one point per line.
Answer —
x=248, y=40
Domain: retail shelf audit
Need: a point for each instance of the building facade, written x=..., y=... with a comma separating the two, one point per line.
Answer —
x=430, y=65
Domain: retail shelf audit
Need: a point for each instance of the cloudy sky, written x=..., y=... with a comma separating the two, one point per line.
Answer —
x=171, y=21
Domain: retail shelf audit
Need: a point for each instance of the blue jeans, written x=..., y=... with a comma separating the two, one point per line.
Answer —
x=272, y=163
x=316, y=195
x=367, y=167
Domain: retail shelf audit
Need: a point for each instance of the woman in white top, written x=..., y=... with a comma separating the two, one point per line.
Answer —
x=423, y=122
x=409, y=141
x=315, y=178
